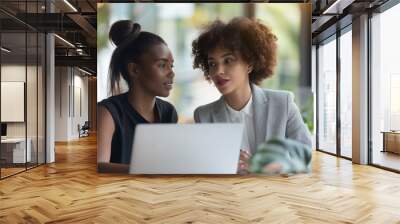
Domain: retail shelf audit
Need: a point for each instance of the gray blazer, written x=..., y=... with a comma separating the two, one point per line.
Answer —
x=275, y=113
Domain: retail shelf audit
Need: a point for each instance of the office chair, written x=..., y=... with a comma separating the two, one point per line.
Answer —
x=84, y=130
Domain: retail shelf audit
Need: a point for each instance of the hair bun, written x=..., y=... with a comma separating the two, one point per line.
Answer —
x=122, y=30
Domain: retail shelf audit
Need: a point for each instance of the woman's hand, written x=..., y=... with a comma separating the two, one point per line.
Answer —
x=243, y=166
x=273, y=168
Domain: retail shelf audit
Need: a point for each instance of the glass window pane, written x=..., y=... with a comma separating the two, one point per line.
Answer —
x=13, y=86
x=385, y=89
x=23, y=85
x=346, y=94
x=31, y=97
x=41, y=99
x=327, y=97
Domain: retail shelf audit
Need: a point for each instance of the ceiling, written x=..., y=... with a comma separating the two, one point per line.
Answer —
x=74, y=22
x=328, y=16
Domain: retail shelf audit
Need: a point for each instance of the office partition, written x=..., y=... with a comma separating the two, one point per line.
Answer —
x=22, y=77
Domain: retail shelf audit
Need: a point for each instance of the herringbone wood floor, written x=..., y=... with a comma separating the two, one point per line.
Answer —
x=70, y=191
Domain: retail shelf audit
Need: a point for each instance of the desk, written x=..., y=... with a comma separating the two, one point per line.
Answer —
x=391, y=141
x=13, y=150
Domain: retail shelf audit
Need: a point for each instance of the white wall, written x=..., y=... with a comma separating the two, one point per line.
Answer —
x=80, y=83
x=61, y=103
x=70, y=83
x=33, y=127
x=17, y=73
x=14, y=73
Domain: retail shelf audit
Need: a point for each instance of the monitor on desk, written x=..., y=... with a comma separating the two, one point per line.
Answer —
x=3, y=130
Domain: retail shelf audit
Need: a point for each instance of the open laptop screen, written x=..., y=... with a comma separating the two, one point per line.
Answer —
x=186, y=148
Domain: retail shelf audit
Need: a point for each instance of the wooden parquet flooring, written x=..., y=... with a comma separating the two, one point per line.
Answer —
x=10, y=171
x=71, y=191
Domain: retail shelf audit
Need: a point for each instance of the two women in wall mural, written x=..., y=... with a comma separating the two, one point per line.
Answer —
x=234, y=56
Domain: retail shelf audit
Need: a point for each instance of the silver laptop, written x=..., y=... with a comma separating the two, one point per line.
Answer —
x=186, y=148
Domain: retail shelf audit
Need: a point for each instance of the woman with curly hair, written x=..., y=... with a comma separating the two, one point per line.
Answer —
x=236, y=56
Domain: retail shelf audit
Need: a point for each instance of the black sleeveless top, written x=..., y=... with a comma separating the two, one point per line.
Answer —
x=126, y=118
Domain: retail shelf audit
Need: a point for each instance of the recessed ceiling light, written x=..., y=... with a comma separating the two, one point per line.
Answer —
x=64, y=40
x=84, y=71
x=70, y=5
x=337, y=7
x=5, y=50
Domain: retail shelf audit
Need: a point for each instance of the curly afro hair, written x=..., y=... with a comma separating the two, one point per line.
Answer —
x=253, y=40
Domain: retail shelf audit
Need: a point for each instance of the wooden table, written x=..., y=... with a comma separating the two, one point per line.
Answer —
x=391, y=141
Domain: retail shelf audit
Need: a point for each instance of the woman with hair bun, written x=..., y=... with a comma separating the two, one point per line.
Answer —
x=144, y=61
x=236, y=56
